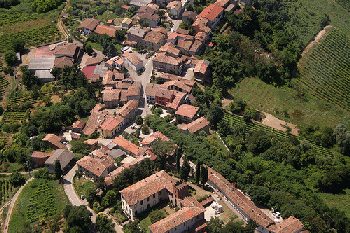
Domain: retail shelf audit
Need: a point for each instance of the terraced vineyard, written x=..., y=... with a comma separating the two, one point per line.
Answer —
x=16, y=109
x=3, y=84
x=325, y=71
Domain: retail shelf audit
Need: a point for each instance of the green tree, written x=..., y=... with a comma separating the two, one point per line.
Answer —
x=18, y=45
x=78, y=219
x=91, y=195
x=198, y=171
x=109, y=199
x=17, y=179
x=58, y=170
x=204, y=175
x=10, y=57
x=185, y=169
x=104, y=224
x=120, y=34
x=157, y=215
x=88, y=48
x=139, y=120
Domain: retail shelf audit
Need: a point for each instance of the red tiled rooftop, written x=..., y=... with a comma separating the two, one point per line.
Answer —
x=211, y=12
x=111, y=124
x=187, y=110
x=88, y=71
x=103, y=29
x=129, y=146
x=93, y=165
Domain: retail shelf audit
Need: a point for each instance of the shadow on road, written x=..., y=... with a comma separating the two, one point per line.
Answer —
x=65, y=181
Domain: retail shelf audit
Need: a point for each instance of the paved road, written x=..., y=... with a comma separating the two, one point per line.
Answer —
x=14, y=198
x=69, y=189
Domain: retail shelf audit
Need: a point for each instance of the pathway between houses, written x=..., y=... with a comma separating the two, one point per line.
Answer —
x=14, y=198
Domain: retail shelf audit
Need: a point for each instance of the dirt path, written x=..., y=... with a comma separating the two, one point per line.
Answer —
x=60, y=24
x=276, y=123
x=14, y=198
x=321, y=35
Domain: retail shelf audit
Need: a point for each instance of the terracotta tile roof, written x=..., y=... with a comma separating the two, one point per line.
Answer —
x=151, y=89
x=89, y=23
x=97, y=108
x=211, y=12
x=103, y=29
x=170, y=49
x=201, y=36
x=289, y=225
x=173, y=77
x=126, y=7
x=133, y=58
x=201, y=66
x=179, y=96
x=148, y=140
x=196, y=125
x=107, y=161
x=237, y=197
x=93, y=61
x=110, y=21
x=61, y=62
x=147, y=187
x=190, y=14
x=95, y=121
x=112, y=123
x=182, y=31
x=187, y=111
x=127, y=21
x=66, y=49
x=91, y=142
x=126, y=145
x=197, y=44
x=134, y=90
x=130, y=106
x=190, y=201
x=184, y=44
x=175, y=35
x=109, y=179
x=179, y=84
x=117, y=75
x=92, y=165
x=176, y=5
x=163, y=58
x=176, y=219
x=79, y=125
x=111, y=95
x=164, y=93
x=154, y=37
x=39, y=154
x=222, y=3
x=54, y=140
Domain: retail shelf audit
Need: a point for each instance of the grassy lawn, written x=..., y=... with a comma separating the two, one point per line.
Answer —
x=41, y=200
x=97, y=46
x=144, y=218
x=82, y=185
x=339, y=201
x=285, y=104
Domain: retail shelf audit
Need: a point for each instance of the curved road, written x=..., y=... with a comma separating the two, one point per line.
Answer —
x=13, y=200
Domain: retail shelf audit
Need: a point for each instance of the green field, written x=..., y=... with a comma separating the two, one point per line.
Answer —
x=325, y=71
x=82, y=185
x=39, y=201
x=339, y=201
x=286, y=103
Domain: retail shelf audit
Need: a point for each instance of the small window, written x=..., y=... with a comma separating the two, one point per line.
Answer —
x=154, y=196
x=141, y=202
x=147, y=198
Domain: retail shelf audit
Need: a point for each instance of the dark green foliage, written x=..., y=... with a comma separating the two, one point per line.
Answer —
x=157, y=215
x=10, y=58
x=198, y=171
x=28, y=78
x=78, y=219
x=204, y=175
x=88, y=48
x=139, y=120
x=185, y=169
x=91, y=196
x=104, y=224
x=342, y=136
x=18, y=45
x=132, y=227
x=58, y=170
x=120, y=34
x=109, y=199
x=8, y=3
x=17, y=179
x=130, y=176
x=107, y=43
x=41, y=6
x=163, y=150
x=42, y=174
x=215, y=225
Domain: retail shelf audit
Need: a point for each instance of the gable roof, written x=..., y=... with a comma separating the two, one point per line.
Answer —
x=112, y=123
x=289, y=225
x=92, y=165
x=103, y=29
x=154, y=37
x=54, y=140
x=42, y=63
x=61, y=62
x=78, y=124
x=62, y=155
x=211, y=12
x=170, y=48
x=201, y=66
x=147, y=187
x=187, y=110
x=66, y=49
x=126, y=145
x=39, y=154
x=89, y=23
x=148, y=140
x=133, y=58
x=176, y=219
x=196, y=125
x=151, y=89
x=128, y=107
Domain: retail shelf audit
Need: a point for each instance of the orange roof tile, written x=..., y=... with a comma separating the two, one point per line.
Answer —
x=126, y=145
x=112, y=123
x=187, y=111
x=211, y=12
x=103, y=29
x=93, y=165
x=54, y=140
x=176, y=219
x=289, y=225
